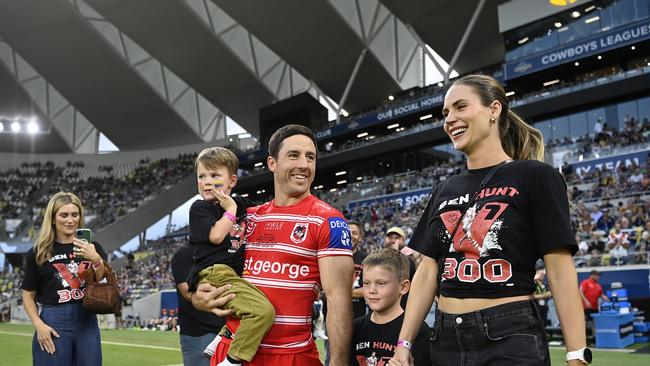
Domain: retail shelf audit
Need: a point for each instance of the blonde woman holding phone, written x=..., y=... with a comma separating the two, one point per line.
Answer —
x=66, y=334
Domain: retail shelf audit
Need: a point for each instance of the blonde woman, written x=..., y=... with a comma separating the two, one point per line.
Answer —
x=483, y=230
x=66, y=334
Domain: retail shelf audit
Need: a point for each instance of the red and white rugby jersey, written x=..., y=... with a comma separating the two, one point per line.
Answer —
x=283, y=245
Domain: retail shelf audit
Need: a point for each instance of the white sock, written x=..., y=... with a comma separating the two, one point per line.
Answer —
x=212, y=347
x=227, y=362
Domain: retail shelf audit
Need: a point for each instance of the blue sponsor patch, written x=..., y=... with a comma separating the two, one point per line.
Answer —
x=339, y=233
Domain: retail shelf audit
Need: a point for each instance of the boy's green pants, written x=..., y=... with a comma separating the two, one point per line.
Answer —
x=255, y=311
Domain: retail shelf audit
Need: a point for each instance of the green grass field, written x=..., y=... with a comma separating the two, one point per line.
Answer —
x=134, y=347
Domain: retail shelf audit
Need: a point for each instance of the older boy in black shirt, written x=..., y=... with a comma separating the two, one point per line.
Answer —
x=385, y=280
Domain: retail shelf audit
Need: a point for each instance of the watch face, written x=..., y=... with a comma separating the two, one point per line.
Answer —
x=587, y=355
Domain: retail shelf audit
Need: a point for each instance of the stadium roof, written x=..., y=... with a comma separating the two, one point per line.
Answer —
x=152, y=74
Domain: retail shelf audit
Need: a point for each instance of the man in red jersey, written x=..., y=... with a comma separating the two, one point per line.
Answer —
x=296, y=245
x=590, y=291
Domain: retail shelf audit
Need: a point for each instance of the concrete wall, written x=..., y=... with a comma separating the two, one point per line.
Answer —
x=147, y=307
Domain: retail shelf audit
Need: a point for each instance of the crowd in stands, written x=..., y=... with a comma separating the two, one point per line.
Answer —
x=107, y=196
x=604, y=139
x=18, y=185
x=9, y=290
x=148, y=270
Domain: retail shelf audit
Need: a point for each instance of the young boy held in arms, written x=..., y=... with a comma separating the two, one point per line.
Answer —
x=217, y=237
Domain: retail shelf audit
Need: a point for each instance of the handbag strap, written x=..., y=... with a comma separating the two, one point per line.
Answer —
x=108, y=274
x=463, y=211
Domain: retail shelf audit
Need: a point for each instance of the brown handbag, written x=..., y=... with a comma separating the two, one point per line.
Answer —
x=102, y=298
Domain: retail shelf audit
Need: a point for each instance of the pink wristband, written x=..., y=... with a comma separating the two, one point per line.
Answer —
x=230, y=217
x=404, y=343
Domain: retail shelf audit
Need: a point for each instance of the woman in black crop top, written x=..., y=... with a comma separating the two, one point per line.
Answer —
x=513, y=209
x=66, y=334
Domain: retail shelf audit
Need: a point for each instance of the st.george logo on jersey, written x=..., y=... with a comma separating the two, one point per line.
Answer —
x=299, y=232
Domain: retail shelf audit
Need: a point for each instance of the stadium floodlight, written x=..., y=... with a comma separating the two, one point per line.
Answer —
x=258, y=164
x=394, y=125
x=551, y=82
x=32, y=127
x=15, y=126
x=362, y=134
x=244, y=195
x=319, y=187
x=426, y=116
x=590, y=8
x=333, y=190
x=523, y=40
x=390, y=97
x=592, y=19
x=633, y=48
x=341, y=182
x=575, y=14
x=558, y=24
x=2, y=126
x=510, y=93
x=600, y=57
x=440, y=84
x=342, y=172
x=576, y=63
x=561, y=2
x=359, y=178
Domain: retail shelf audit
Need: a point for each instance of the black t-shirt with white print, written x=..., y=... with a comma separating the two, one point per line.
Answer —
x=522, y=214
x=60, y=279
x=374, y=344
x=203, y=215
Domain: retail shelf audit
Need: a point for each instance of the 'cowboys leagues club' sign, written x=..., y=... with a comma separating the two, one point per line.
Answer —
x=605, y=41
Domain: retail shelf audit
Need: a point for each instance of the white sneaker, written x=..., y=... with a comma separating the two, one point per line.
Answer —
x=212, y=347
x=320, y=334
x=319, y=327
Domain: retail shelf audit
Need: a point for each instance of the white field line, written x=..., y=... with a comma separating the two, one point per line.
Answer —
x=108, y=342
x=178, y=349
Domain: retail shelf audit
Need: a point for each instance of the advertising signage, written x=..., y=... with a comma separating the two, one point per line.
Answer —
x=605, y=41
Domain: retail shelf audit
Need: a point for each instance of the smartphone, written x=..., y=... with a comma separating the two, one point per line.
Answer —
x=84, y=235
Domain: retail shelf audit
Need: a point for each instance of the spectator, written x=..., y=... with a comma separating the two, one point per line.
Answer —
x=618, y=244
x=66, y=334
